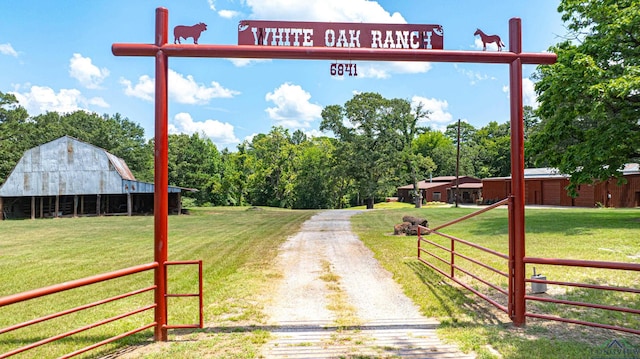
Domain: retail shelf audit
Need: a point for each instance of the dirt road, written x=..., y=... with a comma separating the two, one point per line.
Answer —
x=334, y=300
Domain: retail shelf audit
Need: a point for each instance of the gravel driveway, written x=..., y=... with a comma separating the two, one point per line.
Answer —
x=334, y=300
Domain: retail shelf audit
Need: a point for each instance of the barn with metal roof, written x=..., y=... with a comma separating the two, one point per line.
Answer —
x=547, y=186
x=69, y=177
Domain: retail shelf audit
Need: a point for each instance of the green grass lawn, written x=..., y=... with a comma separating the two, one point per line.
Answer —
x=604, y=234
x=238, y=246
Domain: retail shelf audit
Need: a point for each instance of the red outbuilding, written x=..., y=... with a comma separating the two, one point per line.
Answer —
x=443, y=189
x=546, y=186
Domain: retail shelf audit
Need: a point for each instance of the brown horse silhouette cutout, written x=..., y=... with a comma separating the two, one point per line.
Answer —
x=487, y=39
x=186, y=32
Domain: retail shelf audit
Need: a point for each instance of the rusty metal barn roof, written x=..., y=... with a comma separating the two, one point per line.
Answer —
x=68, y=166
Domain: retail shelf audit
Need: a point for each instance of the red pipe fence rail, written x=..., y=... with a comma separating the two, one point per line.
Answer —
x=199, y=295
x=427, y=256
x=585, y=264
x=57, y=288
x=453, y=267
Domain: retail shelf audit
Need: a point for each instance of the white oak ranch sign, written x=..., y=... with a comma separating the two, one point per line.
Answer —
x=336, y=34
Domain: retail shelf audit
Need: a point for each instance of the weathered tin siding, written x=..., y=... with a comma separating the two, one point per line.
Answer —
x=65, y=166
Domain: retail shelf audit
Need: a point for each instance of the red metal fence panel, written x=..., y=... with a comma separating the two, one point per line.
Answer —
x=425, y=252
x=42, y=292
x=20, y=297
x=455, y=253
x=619, y=266
x=175, y=295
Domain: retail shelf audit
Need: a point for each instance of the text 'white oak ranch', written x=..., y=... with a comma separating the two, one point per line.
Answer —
x=349, y=35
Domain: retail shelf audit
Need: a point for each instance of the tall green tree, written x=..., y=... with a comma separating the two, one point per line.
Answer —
x=438, y=147
x=590, y=99
x=316, y=180
x=230, y=185
x=531, y=127
x=369, y=139
x=194, y=162
x=406, y=120
x=493, y=143
x=14, y=139
x=468, y=148
x=271, y=159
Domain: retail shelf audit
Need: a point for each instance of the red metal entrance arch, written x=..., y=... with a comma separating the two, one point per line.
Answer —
x=162, y=50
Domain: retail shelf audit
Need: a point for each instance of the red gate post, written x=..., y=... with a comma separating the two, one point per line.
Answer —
x=516, y=208
x=161, y=162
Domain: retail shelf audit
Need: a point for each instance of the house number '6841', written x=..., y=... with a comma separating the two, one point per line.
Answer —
x=343, y=69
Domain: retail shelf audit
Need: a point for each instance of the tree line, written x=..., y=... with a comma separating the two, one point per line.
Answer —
x=373, y=145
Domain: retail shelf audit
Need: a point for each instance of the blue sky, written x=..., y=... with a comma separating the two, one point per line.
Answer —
x=56, y=56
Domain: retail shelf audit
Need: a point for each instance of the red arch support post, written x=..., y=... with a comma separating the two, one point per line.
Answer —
x=161, y=176
x=516, y=208
x=162, y=50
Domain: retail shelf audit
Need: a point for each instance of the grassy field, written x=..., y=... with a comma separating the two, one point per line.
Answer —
x=603, y=234
x=238, y=246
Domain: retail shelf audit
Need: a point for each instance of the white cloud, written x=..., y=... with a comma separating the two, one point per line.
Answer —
x=293, y=109
x=529, y=97
x=212, y=5
x=250, y=137
x=473, y=76
x=181, y=89
x=186, y=90
x=314, y=133
x=383, y=70
x=247, y=62
x=228, y=14
x=144, y=89
x=7, y=49
x=41, y=99
x=323, y=10
x=221, y=133
x=82, y=69
x=439, y=117
x=98, y=101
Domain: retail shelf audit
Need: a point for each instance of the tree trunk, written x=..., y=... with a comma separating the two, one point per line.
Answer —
x=417, y=194
x=370, y=201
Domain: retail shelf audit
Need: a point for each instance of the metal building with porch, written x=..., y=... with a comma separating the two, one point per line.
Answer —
x=443, y=189
x=69, y=177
